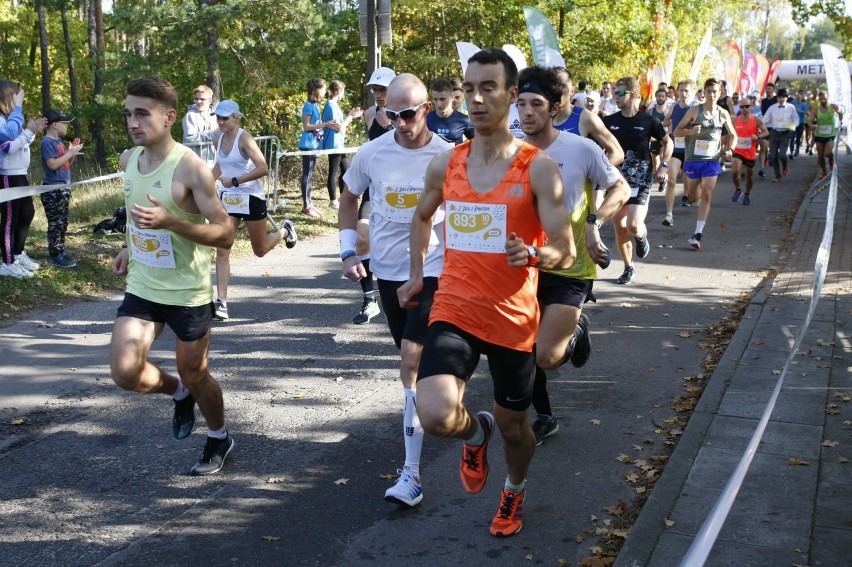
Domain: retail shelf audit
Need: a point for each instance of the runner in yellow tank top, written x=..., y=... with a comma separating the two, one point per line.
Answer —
x=499, y=193
x=174, y=218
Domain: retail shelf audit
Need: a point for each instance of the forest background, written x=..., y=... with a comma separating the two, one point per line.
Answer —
x=77, y=55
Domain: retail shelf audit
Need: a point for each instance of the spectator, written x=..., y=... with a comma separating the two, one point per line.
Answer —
x=312, y=134
x=199, y=124
x=335, y=140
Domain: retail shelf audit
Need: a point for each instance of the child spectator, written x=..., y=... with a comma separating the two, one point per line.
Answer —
x=56, y=164
x=16, y=215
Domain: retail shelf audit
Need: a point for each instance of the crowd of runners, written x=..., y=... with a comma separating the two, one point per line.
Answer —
x=474, y=238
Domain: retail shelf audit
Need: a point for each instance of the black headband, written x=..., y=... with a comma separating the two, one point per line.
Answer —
x=535, y=87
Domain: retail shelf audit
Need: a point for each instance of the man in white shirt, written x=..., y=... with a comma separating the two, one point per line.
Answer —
x=781, y=119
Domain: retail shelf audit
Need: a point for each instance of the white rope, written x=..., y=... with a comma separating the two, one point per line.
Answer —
x=13, y=193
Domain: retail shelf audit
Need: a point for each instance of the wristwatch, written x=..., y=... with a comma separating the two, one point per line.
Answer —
x=235, y=182
x=593, y=219
x=533, y=259
x=664, y=164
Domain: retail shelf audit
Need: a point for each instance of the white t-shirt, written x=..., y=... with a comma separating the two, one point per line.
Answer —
x=580, y=159
x=395, y=176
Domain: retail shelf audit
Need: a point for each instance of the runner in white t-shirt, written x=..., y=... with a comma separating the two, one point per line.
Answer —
x=393, y=168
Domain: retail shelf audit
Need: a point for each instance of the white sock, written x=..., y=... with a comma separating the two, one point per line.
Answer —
x=412, y=432
x=218, y=434
x=515, y=487
x=699, y=227
x=478, y=437
x=181, y=393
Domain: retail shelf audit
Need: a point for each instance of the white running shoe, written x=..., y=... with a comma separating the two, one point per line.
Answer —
x=15, y=271
x=407, y=490
x=220, y=310
x=26, y=262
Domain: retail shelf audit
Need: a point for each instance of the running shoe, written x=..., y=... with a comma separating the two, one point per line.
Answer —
x=747, y=200
x=183, y=421
x=761, y=172
x=369, y=309
x=62, y=260
x=220, y=310
x=642, y=245
x=627, y=276
x=290, y=236
x=26, y=262
x=662, y=186
x=510, y=515
x=334, y=205
x=695, y=241
x=15, y=270
x=583, y=345
x=684, y=201
x=544, y=426
x=474, y=461
x=213, y=458
x=311, y=212
x=407, y=491
x=668, y=220
x=736, y=196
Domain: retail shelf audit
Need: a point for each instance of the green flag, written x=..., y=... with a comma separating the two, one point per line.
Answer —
x=542, y=37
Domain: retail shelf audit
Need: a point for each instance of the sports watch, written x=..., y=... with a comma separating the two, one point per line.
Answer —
x=235, y=182
x=533, y=259
x=593, y=219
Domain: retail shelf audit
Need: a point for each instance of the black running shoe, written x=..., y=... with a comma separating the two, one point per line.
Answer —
x=627, y=276
x=583, y=344
x=642, y=245
x=213, y=458
x=544, y=426
x=183, y=421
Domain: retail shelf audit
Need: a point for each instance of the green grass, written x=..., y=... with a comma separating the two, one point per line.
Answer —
x=93, y=277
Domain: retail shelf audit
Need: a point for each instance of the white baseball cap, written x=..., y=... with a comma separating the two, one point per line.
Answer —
x=227, y=108
x=381, y=77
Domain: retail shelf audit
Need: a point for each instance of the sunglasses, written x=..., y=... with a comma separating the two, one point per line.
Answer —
x=745, y=106
x=623, y=93
x=405, y=114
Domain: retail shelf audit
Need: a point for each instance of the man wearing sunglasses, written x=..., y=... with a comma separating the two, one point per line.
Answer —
x=501, y=196
x=634, y=131
x=749, y=130
x=392, y=168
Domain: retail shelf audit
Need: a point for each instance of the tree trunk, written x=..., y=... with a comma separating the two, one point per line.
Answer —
x=45, y=61
x=72, y=72
x=211, y=47
x=96, y=54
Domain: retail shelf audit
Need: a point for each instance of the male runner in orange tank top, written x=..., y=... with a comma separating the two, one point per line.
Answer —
x=501, y=196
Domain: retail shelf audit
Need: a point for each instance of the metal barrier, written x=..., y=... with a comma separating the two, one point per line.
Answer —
x=270, y=147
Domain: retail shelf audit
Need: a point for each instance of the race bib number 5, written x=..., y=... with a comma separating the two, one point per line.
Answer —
x=400, y=202
x=476, y=227
x=153, y=249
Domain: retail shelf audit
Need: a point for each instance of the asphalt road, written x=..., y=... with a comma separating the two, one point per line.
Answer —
x=94, y=477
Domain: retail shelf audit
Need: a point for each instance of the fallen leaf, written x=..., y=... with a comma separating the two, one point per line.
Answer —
x=758, y=342
x=18, y=421
x=793, y=461
x=624, y=458
x=640, y=489
x=271, y=538
x=529, y=557
x=578, y=538
x=616, y=510
x=669, y=523
x=847, y=422
x=842, y=460
x=595, y=421
x=830, y=443
x=776, y=372
x=593, y=518
x=159, y=446
x=843, y=396
x=631, y=477
x=298, y=395
x=274, y=480
x=340, y=481
x=388, y=476
x=267, y=274
x=685, y=334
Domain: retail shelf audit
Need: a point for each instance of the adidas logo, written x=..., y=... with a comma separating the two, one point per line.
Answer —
x=516, y=191
x=158, y=185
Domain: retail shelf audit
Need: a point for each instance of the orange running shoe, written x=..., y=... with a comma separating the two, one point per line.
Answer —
x=474, y=461
x=510, y=515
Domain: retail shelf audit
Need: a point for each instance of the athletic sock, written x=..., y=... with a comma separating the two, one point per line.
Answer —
x=412, y=432
x=699, y=227
x=509, y=485
x=478, y=437
x=181, y=393
x=367, y=281
x=218, y=434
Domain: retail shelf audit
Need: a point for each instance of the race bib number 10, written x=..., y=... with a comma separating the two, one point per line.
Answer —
x=476, y=227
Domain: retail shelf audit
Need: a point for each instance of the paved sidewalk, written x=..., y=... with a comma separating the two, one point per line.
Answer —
x=784, y=514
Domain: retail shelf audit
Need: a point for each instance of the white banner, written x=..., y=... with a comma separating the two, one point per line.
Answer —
x=837, y=77
x=804, y=69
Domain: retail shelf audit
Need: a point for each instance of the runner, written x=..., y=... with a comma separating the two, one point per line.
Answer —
x=749, y=130
x=702, y=127
x=174, y=218
x=634, y=131
x=392, y=168
x=499, y=193
x=781, y=119
x=240, y=166
x=563, y=333
x=675, y=115
x=825, y=129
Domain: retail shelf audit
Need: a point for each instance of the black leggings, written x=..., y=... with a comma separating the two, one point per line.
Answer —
x=307, y=181
x=337, y=166
x=16, y=216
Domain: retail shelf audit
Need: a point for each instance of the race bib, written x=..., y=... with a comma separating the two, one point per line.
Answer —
x=780, y=122
x=153, y=249
x=679, y=142
x=400, y=202
x=706, y=148
x=476, y=227
x=236, y=202
x=744, y=143
x=824, y=129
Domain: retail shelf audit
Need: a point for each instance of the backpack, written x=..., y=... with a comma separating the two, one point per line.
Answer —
x=118, y=223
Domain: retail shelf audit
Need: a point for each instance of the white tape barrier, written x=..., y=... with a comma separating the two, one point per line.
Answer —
x=318, y=152
x=703, y=543
x=13, y=193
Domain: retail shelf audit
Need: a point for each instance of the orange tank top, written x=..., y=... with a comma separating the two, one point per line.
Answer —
x=746, y=147
x=478, y=291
